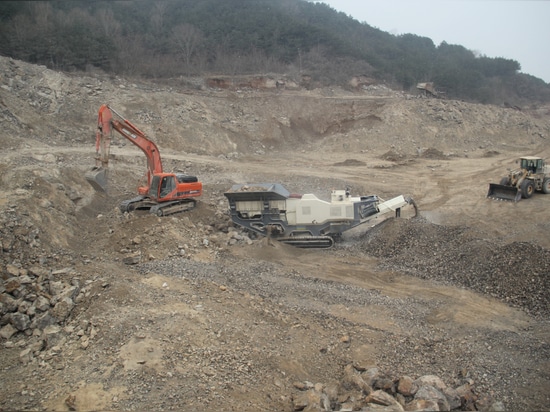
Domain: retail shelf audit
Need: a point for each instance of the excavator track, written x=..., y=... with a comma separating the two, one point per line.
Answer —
x=169, y=208
x=308, y=242
x=136, y=203
x=159, y=209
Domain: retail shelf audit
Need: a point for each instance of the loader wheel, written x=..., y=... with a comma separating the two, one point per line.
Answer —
x=505, y=181
x=546, y=185
x=527, y=189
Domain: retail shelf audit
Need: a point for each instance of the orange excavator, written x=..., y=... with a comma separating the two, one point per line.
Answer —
x=164, y=193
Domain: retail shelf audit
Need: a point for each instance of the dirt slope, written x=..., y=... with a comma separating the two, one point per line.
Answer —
x=205, y=318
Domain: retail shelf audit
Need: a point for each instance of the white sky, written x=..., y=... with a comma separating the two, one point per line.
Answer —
x=512, y=29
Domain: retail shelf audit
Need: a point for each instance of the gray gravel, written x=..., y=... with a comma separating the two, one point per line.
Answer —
x=516, y=273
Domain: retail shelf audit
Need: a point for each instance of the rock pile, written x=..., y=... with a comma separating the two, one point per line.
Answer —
x=39, y=285
x=372, y=390
x=35, y=298
x=516, y=273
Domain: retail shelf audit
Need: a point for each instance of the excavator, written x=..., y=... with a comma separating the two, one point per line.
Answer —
x=305, y=221
x=164, y=193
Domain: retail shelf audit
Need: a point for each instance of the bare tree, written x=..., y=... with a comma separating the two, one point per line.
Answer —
x=20, y=29
x=129, y=47
x=157, y=17
x=42, y=14
x=108, y=23
x=187, y=39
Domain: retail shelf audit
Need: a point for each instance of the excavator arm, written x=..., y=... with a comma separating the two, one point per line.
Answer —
x=138, y=138
x=105, y=124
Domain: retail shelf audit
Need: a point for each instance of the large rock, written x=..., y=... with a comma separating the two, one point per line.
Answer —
x=43, y=321
x=9, y=303
x=431, y=393
x=62, y=309
x=407, y=386
x=41, y=303
x=380, y=397
x=20, y=321
x=353, y=380
x=7, y=331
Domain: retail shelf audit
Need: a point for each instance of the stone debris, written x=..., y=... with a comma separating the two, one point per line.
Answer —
x=516, y=273
x=374, y=390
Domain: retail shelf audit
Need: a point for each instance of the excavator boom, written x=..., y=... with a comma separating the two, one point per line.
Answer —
x=138, y=138
x=97, y=177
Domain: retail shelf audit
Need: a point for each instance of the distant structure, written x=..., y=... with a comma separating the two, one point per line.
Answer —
x=428, y=89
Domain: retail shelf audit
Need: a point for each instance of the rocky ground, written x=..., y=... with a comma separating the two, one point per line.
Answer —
x=100, y=310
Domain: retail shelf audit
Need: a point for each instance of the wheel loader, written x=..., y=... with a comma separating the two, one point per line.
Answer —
x=532, y=175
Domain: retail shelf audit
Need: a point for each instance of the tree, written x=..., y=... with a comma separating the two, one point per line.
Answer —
x=110, y=26
x=158, y=16
x=163, y=38
x=186, y=38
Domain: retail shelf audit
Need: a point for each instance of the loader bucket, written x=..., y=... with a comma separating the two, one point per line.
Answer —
x=503, y=192
x=97, y=177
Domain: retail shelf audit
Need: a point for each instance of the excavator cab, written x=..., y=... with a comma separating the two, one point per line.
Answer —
x=161, y=186
x=167, y=186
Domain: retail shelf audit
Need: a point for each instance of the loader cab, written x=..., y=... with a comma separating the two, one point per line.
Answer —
x=532, y=164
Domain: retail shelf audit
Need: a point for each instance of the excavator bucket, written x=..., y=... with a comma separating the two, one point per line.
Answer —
x=97, y=177
x=503, y=192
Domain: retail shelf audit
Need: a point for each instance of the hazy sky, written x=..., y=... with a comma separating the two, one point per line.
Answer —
x=513, y=29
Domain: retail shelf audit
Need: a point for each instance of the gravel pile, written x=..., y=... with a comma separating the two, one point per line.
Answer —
x=516, y=273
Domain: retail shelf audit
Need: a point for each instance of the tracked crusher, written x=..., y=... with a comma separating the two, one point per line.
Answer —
x=305, y=221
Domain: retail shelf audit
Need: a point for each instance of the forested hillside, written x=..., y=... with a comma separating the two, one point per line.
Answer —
x=173, y=38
